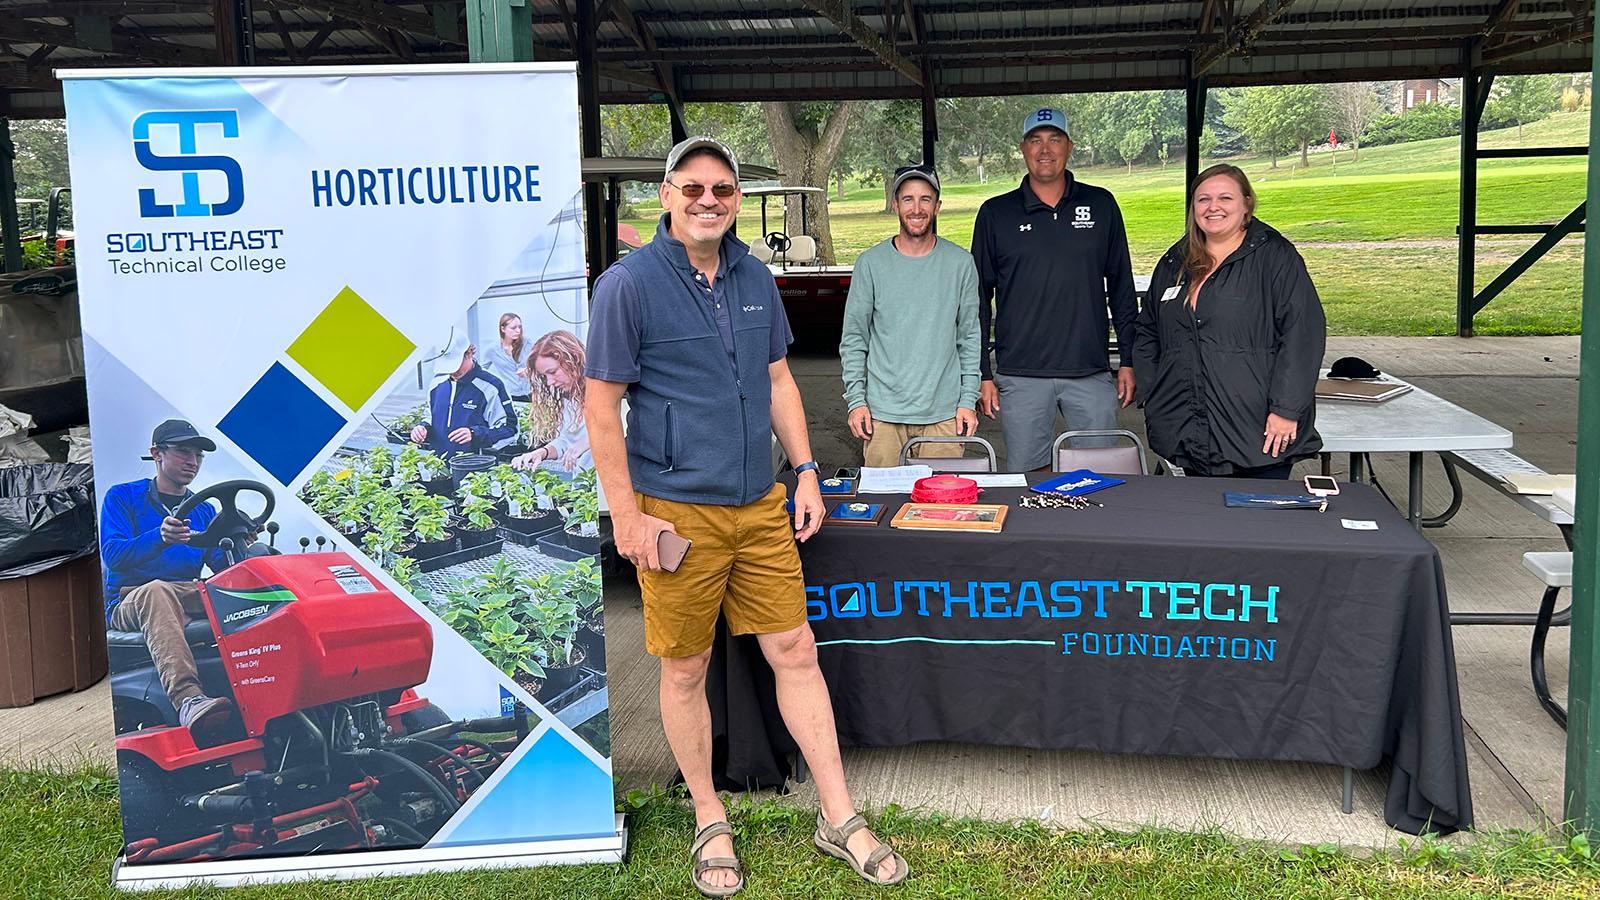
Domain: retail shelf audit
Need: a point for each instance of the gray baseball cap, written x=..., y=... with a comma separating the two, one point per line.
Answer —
x=1045, y=117
x=701, y=142
x=923, y=173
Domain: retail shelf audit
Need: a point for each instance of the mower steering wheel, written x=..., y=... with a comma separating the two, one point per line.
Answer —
x=776, y=241
x=231, y=522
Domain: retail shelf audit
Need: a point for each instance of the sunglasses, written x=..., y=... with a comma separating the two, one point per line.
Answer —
x=721, y=190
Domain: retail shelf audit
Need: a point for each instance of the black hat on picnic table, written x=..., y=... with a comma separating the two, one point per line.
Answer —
x=1353, y=367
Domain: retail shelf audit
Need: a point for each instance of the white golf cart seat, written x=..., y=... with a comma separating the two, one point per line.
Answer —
x=802, y=251
x=760, y=250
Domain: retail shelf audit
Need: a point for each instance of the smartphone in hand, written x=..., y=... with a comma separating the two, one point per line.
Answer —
x=671, y=549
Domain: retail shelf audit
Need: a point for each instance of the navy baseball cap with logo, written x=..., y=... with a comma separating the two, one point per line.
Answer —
x=1046, y=117
x=178, y=433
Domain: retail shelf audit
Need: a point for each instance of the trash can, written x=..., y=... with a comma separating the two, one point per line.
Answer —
x=52, y=617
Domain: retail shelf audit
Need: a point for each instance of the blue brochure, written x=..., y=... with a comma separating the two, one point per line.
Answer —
x=1244, y=500
x=1076, y=484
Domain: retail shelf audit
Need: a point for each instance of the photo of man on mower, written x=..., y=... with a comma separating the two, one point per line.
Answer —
x=266, y=703
x=152, y=567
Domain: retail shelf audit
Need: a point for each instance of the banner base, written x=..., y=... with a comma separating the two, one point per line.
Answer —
x=372, y=864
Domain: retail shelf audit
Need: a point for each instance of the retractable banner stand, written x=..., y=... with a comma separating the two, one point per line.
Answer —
x=333, y=329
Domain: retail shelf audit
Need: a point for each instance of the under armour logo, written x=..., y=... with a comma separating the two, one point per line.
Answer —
x=1025, y=227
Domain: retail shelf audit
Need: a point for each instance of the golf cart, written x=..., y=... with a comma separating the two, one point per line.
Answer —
x=332, y=748
x=813, y=295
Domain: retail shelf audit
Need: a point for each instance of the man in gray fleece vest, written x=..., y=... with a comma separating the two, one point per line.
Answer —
x=911, y=343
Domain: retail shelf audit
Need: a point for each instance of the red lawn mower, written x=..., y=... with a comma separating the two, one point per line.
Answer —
x=332, y=748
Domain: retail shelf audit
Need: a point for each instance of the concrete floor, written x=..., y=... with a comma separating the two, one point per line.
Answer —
x=1516, y=753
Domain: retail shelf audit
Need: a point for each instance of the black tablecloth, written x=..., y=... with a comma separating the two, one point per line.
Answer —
x=1163, y=623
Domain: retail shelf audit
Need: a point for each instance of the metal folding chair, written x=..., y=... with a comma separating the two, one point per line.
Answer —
x=1123, y=460
x=952, y=463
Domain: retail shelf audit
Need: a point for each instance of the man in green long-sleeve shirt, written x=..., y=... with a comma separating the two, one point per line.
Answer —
x=911, y=342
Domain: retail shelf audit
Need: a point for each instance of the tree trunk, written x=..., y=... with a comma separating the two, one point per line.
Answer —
x=1355, y=150
x=807, y=158
x=838, y=184
x=1274, y=155
x=1305, y=160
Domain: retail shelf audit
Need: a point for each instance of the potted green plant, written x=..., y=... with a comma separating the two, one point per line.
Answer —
x=583, y=584
x=380, y=461
x=430, y=530
x=581, y=517
x=475, y=523
x=523, y=521
x=550, y=615
x=399, y=428
x=486, y=620
x=404, y=569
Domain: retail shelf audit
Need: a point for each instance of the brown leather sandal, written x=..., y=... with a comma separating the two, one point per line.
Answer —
x=832, y=841
x=715, y=829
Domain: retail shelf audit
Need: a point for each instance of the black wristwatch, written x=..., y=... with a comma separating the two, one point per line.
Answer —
x=806, y=467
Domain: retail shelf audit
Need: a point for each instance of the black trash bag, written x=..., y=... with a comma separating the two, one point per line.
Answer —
x=46, y=517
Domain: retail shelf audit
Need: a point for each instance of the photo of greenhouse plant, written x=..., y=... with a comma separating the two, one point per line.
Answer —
x=472, y=484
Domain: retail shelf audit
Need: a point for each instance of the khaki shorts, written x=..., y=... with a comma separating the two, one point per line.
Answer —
x=743, y=564
x=883, y=447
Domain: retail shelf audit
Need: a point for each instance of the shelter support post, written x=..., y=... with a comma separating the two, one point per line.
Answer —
x=596, y=222
x=930, y=117
x=10, y=228
x=499, y=31
x=1582, y=795
x=613, y=208
x=1194, y=125
x=1474, y=94
x=235, y=31
x=675, y=118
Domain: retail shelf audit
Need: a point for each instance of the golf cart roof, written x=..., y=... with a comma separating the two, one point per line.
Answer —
x=779, y=189
x=648, y=168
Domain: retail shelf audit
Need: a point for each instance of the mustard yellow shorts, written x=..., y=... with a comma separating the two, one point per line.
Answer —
x=743, y=563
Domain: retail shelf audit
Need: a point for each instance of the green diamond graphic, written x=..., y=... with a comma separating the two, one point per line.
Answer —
x=350, y=348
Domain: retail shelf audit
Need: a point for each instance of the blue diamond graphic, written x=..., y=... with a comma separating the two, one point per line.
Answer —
x=281, y=423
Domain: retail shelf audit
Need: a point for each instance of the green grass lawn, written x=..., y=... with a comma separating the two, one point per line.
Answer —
x=1401, y=192
x=59, y=833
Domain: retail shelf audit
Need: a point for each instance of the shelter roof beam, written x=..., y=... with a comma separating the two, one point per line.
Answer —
x=848, y=22
x=1578, y=29
x=1241, y=36
x=381, y=15
x=121, y=42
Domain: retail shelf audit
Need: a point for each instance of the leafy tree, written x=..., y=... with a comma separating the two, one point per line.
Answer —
x=806, y=138
x=1355, y=104
x=41, y=161
x=1524, y=98
x=984, y=129
x=1278, y=118
x=635, y=129
x=883, y=136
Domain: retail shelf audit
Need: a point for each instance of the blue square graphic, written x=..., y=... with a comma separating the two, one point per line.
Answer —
x=281, y=423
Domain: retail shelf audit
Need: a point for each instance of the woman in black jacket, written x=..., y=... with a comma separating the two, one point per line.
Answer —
x=1229, y=343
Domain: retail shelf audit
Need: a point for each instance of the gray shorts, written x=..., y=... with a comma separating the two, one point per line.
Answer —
x=1028, y=413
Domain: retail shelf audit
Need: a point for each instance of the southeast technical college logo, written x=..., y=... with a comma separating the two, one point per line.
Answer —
x=189, y=161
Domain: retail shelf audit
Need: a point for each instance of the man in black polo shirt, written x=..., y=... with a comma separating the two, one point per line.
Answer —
x=1051, y=256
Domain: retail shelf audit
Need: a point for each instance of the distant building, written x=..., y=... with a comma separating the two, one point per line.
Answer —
x=1417, y=91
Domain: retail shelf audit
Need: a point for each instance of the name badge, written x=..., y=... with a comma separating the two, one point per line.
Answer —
x=1171, y=292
